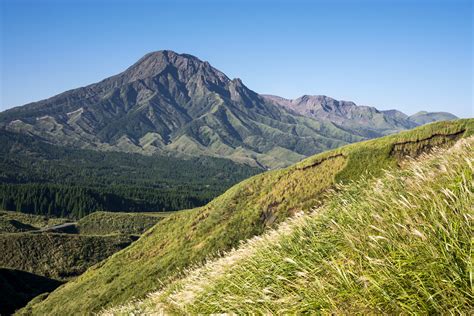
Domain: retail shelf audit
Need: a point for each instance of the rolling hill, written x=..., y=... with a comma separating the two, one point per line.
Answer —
x=39, y=253
x=13, y=222
x=57, y=256
x=251, y=207
x=105, y=223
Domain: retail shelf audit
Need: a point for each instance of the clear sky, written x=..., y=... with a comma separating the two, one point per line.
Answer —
x=409, y=55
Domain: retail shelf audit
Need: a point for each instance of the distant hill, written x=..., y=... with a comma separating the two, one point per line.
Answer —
x=176, y=104
x=424, y=117
x=366, y=121
x=191, y=237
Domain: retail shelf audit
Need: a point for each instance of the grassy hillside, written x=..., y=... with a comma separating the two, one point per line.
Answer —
x=245, y=210
x=103, y=223
x=398, y=244
x=57, y=256
x=11, y=222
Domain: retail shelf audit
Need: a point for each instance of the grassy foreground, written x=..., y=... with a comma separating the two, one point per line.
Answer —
x=247, y=209
x=397, y=244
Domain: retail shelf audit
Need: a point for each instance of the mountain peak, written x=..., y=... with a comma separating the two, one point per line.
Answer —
x=168, y=56
x=185, y=65
x=172, y=103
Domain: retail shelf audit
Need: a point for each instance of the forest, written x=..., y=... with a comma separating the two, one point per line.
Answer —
x=40, y=178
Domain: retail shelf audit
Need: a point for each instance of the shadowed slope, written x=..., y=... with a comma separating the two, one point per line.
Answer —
x=18, y=287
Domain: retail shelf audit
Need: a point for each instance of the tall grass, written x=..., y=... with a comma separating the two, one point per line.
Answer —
x=399, y=244
x=249, y=208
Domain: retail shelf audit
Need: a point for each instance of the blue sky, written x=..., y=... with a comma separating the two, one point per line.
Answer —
x=409, y=55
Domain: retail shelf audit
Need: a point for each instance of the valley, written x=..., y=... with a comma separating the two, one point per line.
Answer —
x=40, y=253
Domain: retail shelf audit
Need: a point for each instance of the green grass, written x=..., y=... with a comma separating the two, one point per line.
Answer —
x=398, y=244
x=54, y=258
x=11, y=222
x=247, y=209
x=104, y=223
x=57, y=256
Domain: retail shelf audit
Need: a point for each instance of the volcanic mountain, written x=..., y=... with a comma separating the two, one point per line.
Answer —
x=175, y=104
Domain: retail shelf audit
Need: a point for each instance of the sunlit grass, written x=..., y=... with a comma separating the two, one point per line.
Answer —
x=250, y=208
x=397, y=244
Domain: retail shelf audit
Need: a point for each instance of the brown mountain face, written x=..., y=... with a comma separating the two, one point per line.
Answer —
x=176, y=104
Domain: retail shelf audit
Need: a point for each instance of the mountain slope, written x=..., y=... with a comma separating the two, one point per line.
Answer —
x=364, y=120
x=176, y=104
x=245, y=210
x=398, y=244
x=57, y=256
x=41, y=178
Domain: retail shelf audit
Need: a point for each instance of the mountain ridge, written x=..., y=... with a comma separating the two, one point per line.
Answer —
x=366, y=119
x=176, y=104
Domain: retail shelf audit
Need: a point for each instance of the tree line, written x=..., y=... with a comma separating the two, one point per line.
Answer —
x=76, y=202
x=39, y=178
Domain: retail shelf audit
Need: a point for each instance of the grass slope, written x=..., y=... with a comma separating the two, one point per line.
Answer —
x=245, y=210
x=103, y=223
x=398, y=244
x=58, y=256
x=11, y=222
